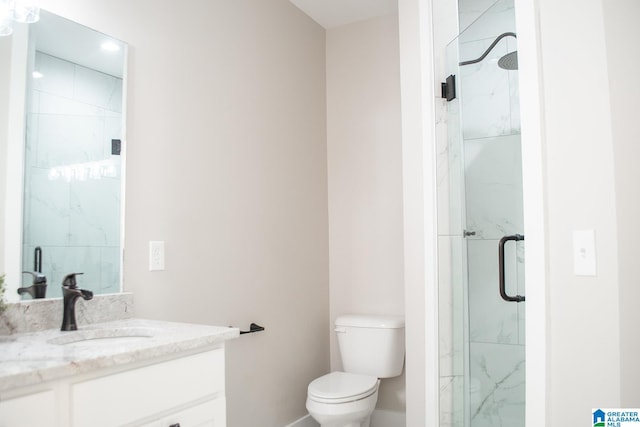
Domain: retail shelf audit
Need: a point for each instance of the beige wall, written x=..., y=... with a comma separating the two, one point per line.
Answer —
x=365, y=178
x=226, y=162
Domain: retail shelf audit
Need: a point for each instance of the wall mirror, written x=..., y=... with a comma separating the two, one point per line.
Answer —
x=65, y=152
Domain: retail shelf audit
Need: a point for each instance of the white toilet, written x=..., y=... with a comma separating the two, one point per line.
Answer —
x=371, y=347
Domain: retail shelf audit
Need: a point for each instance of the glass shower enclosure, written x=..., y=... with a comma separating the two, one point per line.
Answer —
x=480, y=229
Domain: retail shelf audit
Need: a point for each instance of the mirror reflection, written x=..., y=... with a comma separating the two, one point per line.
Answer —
x=73, y=159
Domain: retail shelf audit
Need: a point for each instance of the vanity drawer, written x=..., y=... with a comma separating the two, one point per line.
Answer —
x=145, y=392
x=211, y=413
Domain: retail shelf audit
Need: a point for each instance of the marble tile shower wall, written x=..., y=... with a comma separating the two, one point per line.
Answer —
x=493, y=206
x=72, y=181
x=480, y=189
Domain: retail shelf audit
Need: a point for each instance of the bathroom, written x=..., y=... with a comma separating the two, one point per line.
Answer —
x=269, y=216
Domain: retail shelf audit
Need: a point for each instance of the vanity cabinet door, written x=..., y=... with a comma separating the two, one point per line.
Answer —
x=129, y=397
x=37, y=409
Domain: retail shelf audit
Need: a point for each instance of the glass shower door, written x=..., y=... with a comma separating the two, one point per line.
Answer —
x=481, y=217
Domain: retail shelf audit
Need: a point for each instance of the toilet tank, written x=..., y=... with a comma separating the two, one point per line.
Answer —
x=371, y=344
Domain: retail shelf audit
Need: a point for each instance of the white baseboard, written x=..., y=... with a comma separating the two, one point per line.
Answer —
x=305, y=421
x=380, y=418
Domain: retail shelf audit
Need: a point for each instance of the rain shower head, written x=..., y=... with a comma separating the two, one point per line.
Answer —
x=507, y=62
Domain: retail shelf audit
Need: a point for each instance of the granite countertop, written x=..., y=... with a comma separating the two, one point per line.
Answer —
x=31, y=358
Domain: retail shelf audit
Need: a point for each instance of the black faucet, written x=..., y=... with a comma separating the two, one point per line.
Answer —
x=70, y=294
x=38, y=288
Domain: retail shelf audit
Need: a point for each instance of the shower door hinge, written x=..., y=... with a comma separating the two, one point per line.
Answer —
x=449, y=88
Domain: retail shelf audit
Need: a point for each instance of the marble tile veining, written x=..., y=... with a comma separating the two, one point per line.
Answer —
x=492, y=319
x=451, y=401
x=497, y=385
x=493, y=174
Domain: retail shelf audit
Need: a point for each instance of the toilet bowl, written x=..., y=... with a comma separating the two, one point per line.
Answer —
x=342, y=399
x=371, y=347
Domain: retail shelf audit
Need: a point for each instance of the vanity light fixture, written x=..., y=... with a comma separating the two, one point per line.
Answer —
x=24, y=11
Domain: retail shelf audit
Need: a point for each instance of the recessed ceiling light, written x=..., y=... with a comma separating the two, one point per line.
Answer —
x=110, y=46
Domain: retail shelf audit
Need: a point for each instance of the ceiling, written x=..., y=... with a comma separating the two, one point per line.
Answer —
x=333, y=13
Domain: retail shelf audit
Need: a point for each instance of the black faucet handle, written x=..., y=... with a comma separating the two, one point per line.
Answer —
x=38, y=278
x=69, y=281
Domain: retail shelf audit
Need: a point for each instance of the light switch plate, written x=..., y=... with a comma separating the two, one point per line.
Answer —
x=584, y=253
x=156, y=255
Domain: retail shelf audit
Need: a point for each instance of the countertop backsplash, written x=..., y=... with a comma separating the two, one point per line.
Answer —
x=39, y=315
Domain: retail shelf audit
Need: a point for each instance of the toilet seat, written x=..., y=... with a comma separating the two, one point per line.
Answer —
x=342, y=387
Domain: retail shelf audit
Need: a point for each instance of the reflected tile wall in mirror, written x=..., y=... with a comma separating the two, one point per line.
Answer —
x=74, y=113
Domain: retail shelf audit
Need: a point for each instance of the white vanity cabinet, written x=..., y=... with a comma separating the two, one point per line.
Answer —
x=188, y=391
x=36, y=409
x=155, y=394
x=123, y=373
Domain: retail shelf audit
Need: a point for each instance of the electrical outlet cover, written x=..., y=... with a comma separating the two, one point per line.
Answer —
x=584, y=253
x=156, y=255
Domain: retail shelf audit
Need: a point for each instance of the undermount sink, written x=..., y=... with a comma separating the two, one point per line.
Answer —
x=103, y=336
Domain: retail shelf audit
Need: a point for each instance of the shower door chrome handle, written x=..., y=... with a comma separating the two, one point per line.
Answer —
x=503, y=292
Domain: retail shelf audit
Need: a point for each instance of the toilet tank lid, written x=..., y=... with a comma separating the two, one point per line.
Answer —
x=371, y=321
